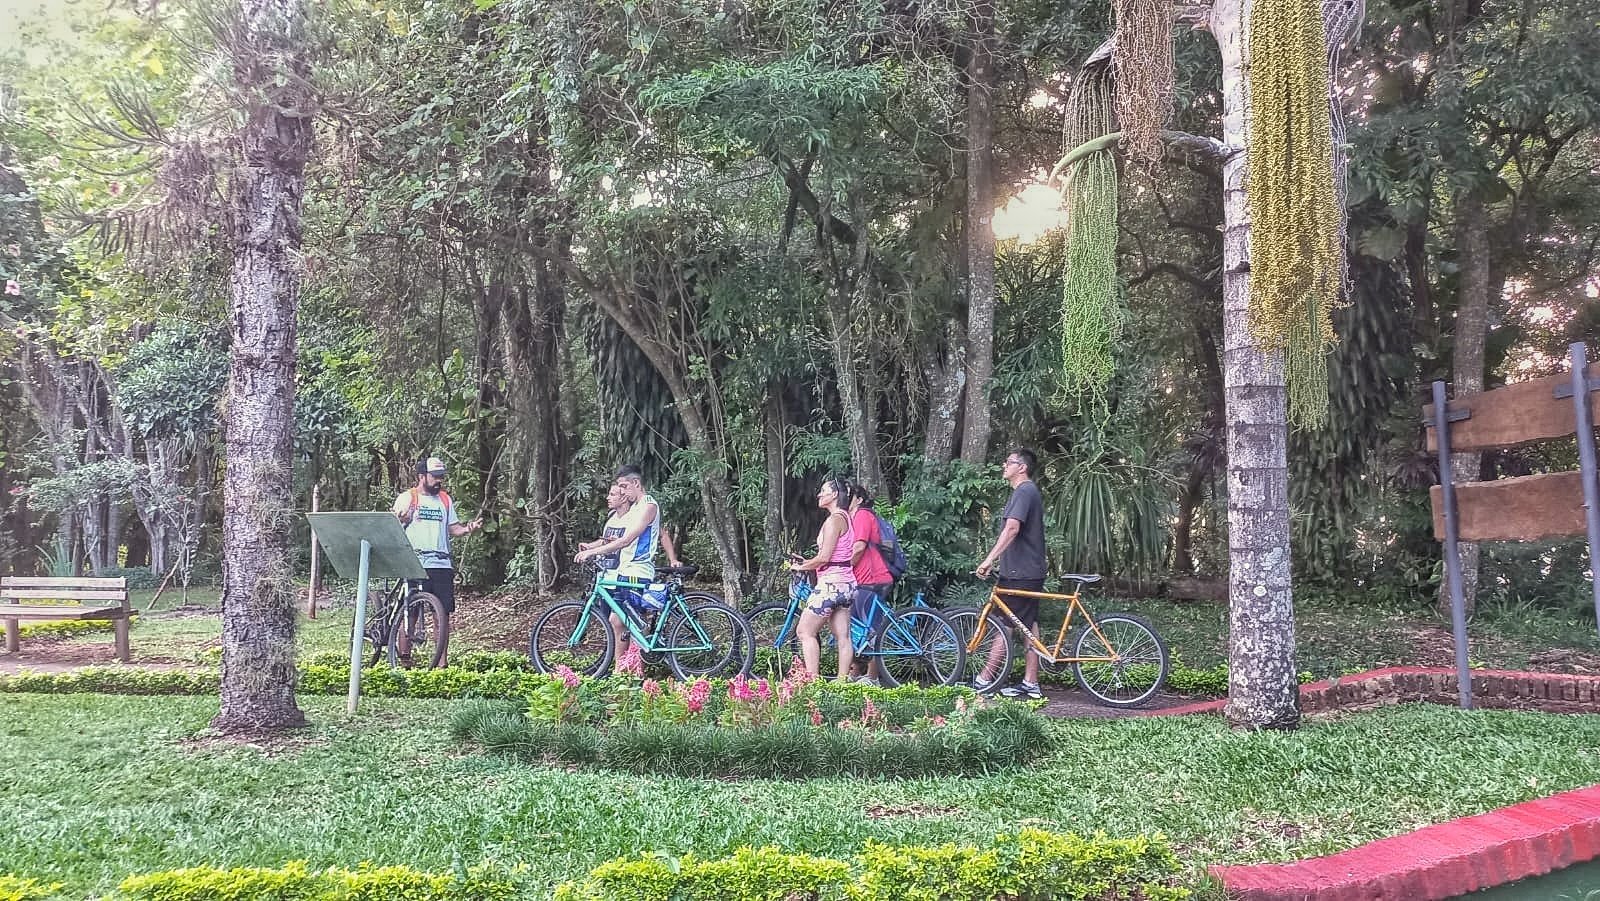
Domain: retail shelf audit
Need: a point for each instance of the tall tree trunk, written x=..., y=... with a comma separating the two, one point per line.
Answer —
x=980, y=234
x=773, y=433
x=1466, y=376
x=549, y=298
x=854, y=400
x=1263, y=691
x=946, y=373
x=491, y=429
x=258, y=596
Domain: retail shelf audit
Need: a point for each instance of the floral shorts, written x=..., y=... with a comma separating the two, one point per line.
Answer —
x=830, y=596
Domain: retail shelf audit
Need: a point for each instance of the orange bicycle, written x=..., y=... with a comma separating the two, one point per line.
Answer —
x=1117, y=658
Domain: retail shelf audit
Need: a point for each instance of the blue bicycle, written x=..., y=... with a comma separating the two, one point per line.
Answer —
x=695, y=632
x=915, y=645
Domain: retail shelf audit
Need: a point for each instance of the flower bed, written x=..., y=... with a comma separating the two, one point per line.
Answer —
x=798, y=728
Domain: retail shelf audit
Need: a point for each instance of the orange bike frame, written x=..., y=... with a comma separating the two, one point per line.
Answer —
x=1049, y=654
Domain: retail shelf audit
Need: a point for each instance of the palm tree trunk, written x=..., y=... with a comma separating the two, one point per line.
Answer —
x=1263, y=691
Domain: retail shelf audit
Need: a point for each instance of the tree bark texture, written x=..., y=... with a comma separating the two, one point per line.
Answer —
x=1263, y=690
x=774, y=433
x=980, y=234
x=1467, y=366
x=946, y=374
x=267, y=184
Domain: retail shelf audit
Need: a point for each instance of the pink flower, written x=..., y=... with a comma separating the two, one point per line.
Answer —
x=652, y=688
x=16, y=490
x=115, y=189
x=13, y=288
x=961, y=705
x=763, y=690
x=632, y=663
x=938, y=721
x=567, y=676
x=14, y=249
x=816, y=715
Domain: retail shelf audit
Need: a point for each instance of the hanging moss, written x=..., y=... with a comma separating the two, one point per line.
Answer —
x=1296, y=262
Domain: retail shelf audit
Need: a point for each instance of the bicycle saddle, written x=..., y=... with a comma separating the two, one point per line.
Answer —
x=687, y=570
x=1083, y=578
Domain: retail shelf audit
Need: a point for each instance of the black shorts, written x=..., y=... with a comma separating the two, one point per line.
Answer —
x=868, y=613
x=441, y=583
x=1026, y=609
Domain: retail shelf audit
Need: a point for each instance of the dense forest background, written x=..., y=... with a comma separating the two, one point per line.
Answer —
x=733, y=242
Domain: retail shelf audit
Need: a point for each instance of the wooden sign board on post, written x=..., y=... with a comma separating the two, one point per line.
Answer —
x=1524, y=413
x=1528, y=508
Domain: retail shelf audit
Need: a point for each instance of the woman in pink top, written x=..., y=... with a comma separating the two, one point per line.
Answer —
x=836, y=582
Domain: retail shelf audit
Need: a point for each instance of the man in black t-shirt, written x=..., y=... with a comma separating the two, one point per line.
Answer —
x=1020, y=553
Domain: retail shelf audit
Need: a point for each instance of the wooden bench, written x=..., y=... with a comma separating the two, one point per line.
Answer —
x=58, y=599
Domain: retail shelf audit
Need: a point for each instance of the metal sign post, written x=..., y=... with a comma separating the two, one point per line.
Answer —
x=1581, y=386
x=1452, y=554
x=362, y=547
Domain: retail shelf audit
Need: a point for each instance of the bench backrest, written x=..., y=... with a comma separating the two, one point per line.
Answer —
x=68, y=592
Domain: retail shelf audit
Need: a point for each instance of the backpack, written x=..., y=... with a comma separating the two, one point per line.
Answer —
x=416, y=498
x=894, y=556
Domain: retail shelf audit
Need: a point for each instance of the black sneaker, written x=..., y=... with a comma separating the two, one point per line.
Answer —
x=1022, y=691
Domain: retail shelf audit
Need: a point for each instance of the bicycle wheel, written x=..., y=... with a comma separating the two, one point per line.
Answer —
x=995, y=650
x=919, y=646
x=1139, y=663
x=773, y=642
x=715, y=638
x=417, y=636
x=573, y=636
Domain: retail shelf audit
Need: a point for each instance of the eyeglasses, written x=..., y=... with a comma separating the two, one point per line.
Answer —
x=1013, y=463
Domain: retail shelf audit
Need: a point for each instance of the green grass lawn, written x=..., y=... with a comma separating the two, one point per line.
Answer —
x=104, y=786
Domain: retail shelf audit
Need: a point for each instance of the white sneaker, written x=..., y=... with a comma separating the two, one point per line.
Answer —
x=867, y=680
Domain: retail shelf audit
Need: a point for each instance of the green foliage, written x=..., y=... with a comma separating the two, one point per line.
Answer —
x=170, y=383
x=65, y=628
x=16, y=888
x=296, y=881
x=139, y=577
x=1032, y=865
x=938, y=517
x=991, y=739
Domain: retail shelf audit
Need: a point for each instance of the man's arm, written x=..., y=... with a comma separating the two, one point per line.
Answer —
x=1008, y=534
x=457, y=529
x=670, y=548
x=402, y=509
x=633, y=533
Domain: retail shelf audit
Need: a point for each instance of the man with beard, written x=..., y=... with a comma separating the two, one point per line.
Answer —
x=430, y=520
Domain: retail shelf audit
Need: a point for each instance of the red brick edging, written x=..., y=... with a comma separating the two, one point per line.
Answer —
x=1440, y=861
x=1491, y=689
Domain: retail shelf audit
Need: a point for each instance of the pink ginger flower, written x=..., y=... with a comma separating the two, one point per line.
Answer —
x=763, y=690
x=632, y=663
x=567, y=676
x=816, y=715
x=961, y=705
x=652, y=688
x=938, y=721
x=13, y=287
x=869, y=711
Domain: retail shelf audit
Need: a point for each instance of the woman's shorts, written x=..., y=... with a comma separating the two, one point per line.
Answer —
x=830, y=596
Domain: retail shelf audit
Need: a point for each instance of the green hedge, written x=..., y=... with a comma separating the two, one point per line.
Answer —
x=66, y=628
x=15, y=888
x=296, y=882
x=990, y=739
x=1032, y=865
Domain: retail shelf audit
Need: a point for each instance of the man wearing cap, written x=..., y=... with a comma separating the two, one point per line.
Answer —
x=430, y=520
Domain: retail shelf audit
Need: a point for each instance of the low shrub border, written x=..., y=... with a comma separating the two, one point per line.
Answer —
x=66, y=628
x=16, y=888
x=1032, y=865
x=296, y=881
x=983, y=740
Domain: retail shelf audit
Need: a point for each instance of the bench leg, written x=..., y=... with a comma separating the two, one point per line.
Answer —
x=122, y=639
x=13, y=635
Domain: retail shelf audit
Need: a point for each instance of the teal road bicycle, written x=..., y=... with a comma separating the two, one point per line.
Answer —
x=695, y=632
x=915, y=645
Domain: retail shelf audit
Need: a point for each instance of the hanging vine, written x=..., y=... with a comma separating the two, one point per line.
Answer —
x=1296, y=237
x=1142, y=61
x=1092, y=315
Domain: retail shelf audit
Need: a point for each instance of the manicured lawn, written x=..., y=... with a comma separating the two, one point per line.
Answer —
x=104, y=786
